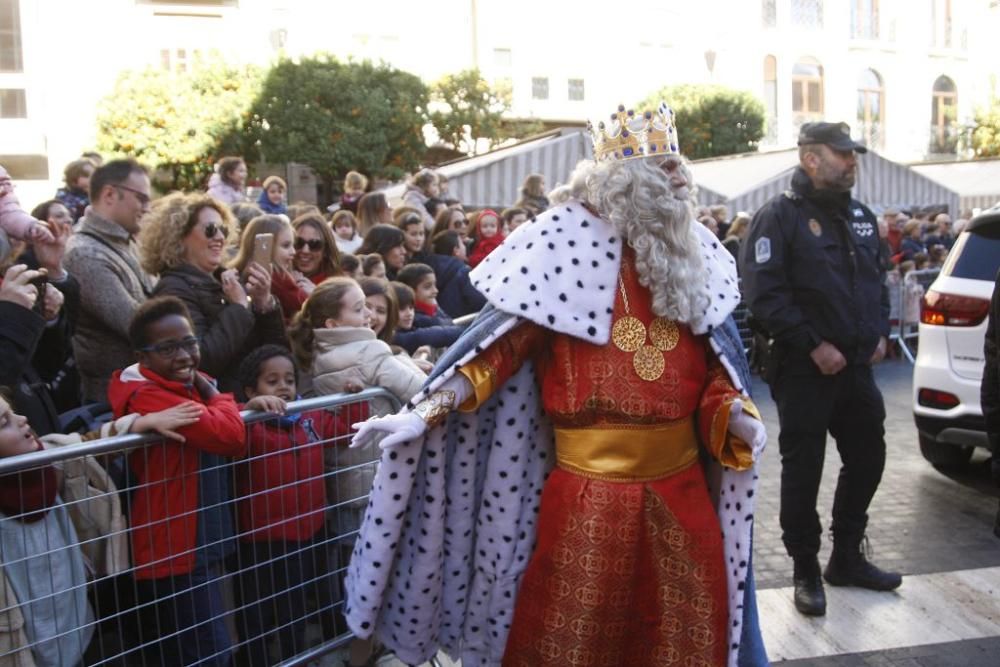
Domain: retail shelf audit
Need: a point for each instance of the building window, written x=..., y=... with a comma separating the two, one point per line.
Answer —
x=12, y=103
x=871, y=99
x=196, y=3
x=864, y=19
x=10, y=37
x=807, y=13
x=769, y=13
x=941, y=23
x=771, y=97
x=179, y=60
x=540, y=88
x=575, y=90
x=26, y=167
x=807, y=91
x=502, y=58
x=944, y=111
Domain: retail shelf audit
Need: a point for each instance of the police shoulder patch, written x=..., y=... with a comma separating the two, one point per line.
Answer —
x=762, y=250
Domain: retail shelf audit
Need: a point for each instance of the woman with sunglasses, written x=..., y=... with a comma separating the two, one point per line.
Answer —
x=316, y=254
x=184, y=241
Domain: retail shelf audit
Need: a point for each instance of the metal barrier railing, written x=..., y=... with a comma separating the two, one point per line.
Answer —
x=905, y=295
x=116, y=570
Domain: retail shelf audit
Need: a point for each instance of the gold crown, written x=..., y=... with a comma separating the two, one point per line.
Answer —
x=630, y=135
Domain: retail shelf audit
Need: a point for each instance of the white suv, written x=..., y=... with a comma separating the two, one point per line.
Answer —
x=949, y=365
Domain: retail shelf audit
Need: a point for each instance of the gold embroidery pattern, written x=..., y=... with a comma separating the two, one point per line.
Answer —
x=591, y=611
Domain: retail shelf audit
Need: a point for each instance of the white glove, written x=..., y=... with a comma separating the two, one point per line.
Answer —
x=409, y=425
x=399, y=427
x=747, y=429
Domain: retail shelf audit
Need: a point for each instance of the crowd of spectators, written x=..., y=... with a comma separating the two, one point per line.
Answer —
x=164, y=312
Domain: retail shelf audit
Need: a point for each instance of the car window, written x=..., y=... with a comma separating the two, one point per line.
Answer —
x=977, y=258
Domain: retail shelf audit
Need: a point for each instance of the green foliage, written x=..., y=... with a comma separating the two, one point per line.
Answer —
x=337, y=116
x=469, y=111
x=177, y=123
x=712, y=120
x=984, y=132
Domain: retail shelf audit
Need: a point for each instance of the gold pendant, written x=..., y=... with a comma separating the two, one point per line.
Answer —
x=664, y=334
x=628, y=333
x=648, y=363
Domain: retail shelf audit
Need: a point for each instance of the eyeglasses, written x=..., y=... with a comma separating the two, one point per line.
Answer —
x=141, y=196
x=211, y=229
x=170, y=348
x=314, y=244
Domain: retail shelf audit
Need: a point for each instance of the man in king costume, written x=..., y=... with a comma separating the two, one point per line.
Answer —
x=575, y=483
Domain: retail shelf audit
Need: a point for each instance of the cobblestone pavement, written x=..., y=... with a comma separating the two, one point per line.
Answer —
x=922, y=521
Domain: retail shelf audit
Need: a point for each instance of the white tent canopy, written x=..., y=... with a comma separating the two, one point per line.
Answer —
x=745, y=182
x=494, y=179
x=977, y=182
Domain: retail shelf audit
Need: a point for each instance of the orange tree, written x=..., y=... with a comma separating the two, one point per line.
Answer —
x=178, y=123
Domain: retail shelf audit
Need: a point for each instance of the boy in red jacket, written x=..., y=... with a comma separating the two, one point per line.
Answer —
x=282, y=509
x=181, y=520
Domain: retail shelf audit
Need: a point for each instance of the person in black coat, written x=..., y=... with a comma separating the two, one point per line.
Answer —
x=22, y=328
x=990, y=388
x=456, y=295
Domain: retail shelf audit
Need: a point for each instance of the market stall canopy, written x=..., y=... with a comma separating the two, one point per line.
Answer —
x=977, y=182
x=745, y=182
x=494, y=179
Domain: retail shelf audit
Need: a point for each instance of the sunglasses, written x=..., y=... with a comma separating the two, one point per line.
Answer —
x=314, y=244
x=169, y=349
x=211, y=229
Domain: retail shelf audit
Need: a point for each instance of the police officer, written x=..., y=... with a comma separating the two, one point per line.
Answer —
x=814, y=279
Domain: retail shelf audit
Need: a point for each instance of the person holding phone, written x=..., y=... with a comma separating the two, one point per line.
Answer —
x=267, y=242
x=184, y=241
x=23, y=319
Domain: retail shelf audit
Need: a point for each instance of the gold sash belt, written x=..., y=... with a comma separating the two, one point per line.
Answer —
x=628, y=453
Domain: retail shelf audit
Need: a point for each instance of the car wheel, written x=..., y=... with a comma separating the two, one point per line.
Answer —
x=944, y=454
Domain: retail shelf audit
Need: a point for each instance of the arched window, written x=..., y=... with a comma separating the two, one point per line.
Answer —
x=807, y=91
x=944, y=111
x=871, y=100
x=771, y=97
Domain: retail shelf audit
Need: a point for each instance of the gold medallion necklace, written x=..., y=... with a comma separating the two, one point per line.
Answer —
x=629, y=335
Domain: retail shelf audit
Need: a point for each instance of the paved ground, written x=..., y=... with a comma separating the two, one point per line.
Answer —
x=922, y=521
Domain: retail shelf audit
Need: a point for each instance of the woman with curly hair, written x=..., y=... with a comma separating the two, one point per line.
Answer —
x=184, y=241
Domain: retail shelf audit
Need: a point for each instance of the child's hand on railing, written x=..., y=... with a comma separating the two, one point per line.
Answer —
x=166, y=422
x=262, y=403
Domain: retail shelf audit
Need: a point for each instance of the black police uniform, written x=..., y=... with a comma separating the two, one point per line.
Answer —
x=812, y=272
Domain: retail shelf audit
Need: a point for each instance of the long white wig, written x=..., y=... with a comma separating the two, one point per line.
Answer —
x=637, y=198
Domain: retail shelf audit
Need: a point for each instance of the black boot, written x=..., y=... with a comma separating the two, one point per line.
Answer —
x=809, y=596
x=849, y=566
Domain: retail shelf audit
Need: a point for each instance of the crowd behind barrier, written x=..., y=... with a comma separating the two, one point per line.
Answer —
x=71, y=571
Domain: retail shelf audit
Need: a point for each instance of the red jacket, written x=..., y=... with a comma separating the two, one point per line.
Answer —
x=281, y=485
x=483, y=247
x=288, y=293
x=164, y=506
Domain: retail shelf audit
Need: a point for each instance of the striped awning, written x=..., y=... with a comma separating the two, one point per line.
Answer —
x=494, y=179
x=977, y=182
x=746, y=182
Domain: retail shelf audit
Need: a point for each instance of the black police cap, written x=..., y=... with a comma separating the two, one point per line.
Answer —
x=836, y=135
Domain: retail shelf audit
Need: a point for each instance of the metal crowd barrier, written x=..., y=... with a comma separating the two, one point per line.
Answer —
x=266, y=592
x=905, y=295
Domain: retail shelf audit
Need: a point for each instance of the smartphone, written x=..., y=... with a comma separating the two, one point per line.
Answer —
x=262, y=245
x=40, y=283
